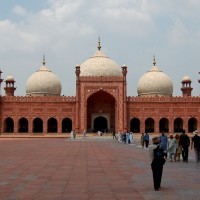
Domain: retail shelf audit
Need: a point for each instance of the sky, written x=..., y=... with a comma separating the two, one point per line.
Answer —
x=131, y=32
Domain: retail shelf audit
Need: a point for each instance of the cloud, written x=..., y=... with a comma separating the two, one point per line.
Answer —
x=14, y=36
x=48, y=26
x=19, y=10
x=178, y=34
x=64, y=9
x=127, y=16
x=194, y=2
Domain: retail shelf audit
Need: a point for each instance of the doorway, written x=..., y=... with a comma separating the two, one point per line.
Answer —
x=100, y=124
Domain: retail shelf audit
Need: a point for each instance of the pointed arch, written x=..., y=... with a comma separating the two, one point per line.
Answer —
x=101, y=103
x=164, y=125
x=37, y=125
x=100, y=124
x=52, y=125
x=178, y=125
x=149, y=125
x=23, y=125
x=135, y=125
x=66, y=125
x=8, y=125
x=192, y=124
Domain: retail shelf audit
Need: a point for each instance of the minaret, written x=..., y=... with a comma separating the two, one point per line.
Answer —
x=10, y=88
x=1, y=80
x=199, y=82
x=186, y=86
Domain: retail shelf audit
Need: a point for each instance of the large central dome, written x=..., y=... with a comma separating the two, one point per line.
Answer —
x=43, y=83
x=100, y=65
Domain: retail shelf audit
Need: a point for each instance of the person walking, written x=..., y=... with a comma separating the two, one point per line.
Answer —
x=196, y=144
x=146, y=140
x=71, y=135
x=184, y=142
x=131, y=139
x=84, y=134
x=172, y=147
x=178, y=148
x=142, y=140
x=127, y=137
x=158, y=158
x=119, y=137
x=163, y=141
x=74, y=134
x=114, y=136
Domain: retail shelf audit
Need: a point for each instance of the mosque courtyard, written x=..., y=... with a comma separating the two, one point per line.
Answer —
x=94, y=168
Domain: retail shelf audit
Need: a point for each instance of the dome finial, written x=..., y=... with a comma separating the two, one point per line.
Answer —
x=43, y=61
x=154, y=60
x=99, y=44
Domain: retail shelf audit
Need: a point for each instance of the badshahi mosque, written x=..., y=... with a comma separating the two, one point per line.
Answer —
x=100, y=103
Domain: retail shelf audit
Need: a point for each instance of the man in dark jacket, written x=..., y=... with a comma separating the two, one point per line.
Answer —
x=196, y=144
x=184, y=142
x=157, y=163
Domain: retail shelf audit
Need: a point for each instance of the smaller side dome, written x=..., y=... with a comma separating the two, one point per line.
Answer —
x=186, y=78
x=10, y=78
x=43, y=83
x=155, y=83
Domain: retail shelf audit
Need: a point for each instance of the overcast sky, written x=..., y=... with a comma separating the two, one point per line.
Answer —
x=131, y=32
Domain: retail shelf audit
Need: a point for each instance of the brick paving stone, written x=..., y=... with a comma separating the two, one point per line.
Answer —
x=95, y=168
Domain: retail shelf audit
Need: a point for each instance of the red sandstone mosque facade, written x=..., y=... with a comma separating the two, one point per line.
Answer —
x=101, y=102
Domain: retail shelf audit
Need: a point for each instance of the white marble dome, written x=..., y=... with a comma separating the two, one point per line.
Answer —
x=100, y=65
x=155, y=83
x=43, y=83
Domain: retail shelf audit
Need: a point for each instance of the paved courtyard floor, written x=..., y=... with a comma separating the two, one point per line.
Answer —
x=95, y=168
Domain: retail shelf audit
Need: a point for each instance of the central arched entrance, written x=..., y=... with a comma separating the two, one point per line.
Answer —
x=100, y=124
x=101, y=108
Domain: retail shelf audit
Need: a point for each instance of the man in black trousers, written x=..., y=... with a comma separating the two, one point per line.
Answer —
x=157, y=162
x=184, y=142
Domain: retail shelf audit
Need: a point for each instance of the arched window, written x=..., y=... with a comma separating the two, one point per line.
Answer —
x=9, y=125
x=37, y=125
x=149, y=125
x=52, y=125
x=178, y=125
x=66, y=125
x=164, y=125
x=135, y=125
x=23, y=125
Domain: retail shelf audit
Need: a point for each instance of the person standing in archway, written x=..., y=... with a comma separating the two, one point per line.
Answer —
x=146, y=140
x=74, y=134
x=84, y=134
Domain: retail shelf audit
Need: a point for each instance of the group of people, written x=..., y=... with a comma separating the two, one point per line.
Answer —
x=173, y=147
x=73, y=134
x=126, y=138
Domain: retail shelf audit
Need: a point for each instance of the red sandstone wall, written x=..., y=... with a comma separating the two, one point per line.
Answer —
x=42, y=107
x=164, y=107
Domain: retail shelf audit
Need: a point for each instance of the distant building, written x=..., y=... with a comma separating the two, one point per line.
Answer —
x=101, y=102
